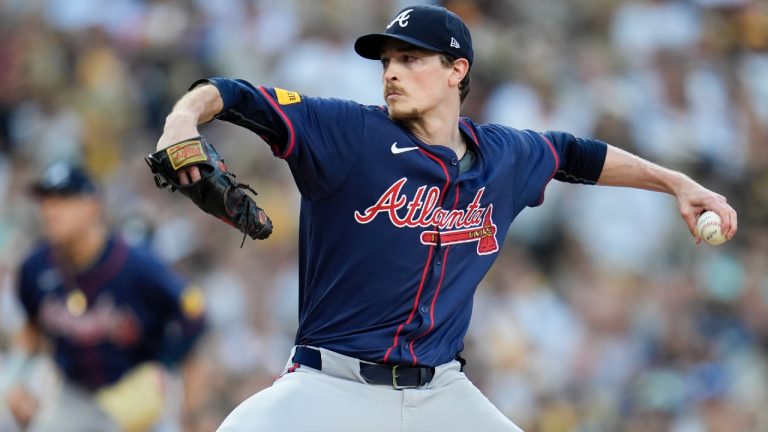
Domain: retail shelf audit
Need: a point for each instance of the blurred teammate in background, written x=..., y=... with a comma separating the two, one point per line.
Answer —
x=114, y=316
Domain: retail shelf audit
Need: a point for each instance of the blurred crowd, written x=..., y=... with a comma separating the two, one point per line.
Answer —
x=601, y=313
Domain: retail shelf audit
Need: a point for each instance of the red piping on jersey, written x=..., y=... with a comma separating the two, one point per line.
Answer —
x=90, y=282
x=554, y=171
x=415, y=304
x=445, y=170
x=426, y=265
x=413, y=354
x=112, y=266
x=95, y=278
x=92, y=358
x=286, y=120
x=437, y=290
x=472, y=132
x=431, y=307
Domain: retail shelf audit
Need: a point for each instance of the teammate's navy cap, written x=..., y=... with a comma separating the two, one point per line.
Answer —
x=433, y=28
x=65, y=179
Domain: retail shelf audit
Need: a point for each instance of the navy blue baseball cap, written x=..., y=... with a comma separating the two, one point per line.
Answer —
x=64, y=179
x=433, y=28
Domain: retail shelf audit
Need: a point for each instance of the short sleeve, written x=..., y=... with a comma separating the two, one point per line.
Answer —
x=581, y=159
x=181, y=306
x=160, y=285
x=531, y=162
x=319, y=138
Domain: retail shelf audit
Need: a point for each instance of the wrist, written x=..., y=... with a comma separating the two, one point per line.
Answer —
x=677, y=182
x=179, y=126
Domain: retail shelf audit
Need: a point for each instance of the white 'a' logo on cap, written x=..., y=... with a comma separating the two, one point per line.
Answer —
x=455, y=43
x=401, y=19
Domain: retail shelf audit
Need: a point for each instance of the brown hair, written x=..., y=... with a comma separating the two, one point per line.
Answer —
x=464, y=85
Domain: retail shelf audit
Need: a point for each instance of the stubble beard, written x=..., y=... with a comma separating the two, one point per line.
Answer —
x=405, y=117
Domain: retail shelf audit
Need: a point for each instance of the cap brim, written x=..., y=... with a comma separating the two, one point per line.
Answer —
x=38, y=190
x=369, y=46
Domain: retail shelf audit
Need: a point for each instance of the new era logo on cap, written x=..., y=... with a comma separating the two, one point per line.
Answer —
x=430, y=27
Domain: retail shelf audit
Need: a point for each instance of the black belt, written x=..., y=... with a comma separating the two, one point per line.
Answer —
x=397, y=376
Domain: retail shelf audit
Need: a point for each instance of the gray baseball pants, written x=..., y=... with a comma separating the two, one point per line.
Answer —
x=338, y=399
x=73, y=410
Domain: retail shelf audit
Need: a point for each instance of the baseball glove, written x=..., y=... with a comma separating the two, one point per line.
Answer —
x=137, y=400
x=217, y=192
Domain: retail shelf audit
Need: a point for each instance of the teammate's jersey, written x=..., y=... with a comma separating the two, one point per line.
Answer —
x=114, y=315
x=393, y=238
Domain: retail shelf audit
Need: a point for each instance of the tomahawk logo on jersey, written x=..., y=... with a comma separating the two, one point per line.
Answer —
x=391, y=225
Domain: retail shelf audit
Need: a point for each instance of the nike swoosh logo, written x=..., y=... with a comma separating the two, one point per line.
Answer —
x=397, y=150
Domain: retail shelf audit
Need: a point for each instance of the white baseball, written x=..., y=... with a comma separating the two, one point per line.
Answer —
x=708, y=228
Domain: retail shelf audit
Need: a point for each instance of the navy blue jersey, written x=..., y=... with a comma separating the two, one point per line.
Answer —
x=393, y=238
x=114, y=315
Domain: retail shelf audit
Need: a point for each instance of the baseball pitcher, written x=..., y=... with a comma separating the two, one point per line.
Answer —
x=404, y=209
